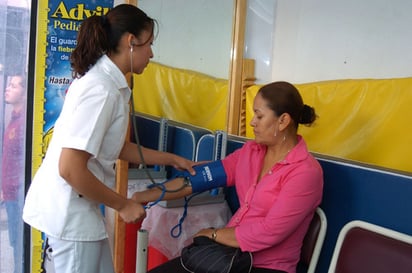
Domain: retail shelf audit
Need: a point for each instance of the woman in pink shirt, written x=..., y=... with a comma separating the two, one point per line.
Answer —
x=278, y=182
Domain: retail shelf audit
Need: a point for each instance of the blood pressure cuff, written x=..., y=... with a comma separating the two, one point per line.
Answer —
x=208, y=176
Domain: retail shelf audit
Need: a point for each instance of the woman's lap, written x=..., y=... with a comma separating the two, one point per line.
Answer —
x=175, y=266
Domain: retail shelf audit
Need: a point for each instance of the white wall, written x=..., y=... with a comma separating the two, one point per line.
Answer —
x=317, y=40
x=259, y=37
x=194, y=35
x=294, y=40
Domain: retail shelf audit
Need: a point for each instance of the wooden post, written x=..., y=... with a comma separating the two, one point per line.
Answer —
x=122, y=168
x=248, y=79
x=120, y=225
x=236, y=66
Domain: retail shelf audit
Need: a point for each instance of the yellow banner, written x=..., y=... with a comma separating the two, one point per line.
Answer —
x=362, y=120
x=182, y=95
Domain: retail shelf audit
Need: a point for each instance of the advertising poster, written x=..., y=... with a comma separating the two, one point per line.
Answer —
x=57, y=25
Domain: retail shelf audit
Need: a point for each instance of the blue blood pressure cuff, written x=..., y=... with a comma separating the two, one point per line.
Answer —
x=208, y=176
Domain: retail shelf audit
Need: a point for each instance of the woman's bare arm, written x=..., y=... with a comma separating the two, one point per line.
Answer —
x=178, y=185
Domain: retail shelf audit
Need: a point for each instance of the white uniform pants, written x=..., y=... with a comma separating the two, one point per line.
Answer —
x=81, y=256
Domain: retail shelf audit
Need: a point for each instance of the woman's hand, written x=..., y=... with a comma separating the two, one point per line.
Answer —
x=224, y=235
x=205, y=232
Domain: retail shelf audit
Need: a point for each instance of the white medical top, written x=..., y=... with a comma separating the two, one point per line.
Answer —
x=94, y=118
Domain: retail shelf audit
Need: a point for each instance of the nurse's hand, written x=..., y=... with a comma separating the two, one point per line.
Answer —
x=183, y=164
x=132, y=212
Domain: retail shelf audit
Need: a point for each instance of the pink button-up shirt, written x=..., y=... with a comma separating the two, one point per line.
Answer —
x=275, y=212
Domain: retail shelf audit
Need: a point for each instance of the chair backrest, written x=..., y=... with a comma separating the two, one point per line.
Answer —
x=204, y=148
x=312, y=243
x=148, y=129
x=211, y=146
x=233, y=143
x=365, y=248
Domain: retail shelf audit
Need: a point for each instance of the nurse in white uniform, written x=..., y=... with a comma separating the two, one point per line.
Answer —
x=77, y=173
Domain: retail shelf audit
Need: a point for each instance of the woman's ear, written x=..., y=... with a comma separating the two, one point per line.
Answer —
x=284, y=121
x=131, y=39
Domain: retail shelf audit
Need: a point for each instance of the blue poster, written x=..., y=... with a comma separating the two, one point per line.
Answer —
x=57, y=25
x=64, y=19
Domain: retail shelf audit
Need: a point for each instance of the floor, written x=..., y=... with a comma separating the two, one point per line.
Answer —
x=6, y=252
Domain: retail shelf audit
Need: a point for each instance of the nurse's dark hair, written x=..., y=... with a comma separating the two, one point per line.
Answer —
x=283, y=97
x=99, y=35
